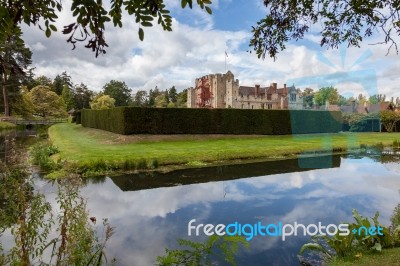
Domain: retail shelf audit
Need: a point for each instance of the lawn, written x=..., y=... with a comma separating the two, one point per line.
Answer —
x=6, y=125
x=388, y=257
x=85, y=145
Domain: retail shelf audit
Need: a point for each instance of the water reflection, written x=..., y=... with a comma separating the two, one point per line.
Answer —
x=151, y=211
x=35, y=231
x=149, y=180
x=147, y=221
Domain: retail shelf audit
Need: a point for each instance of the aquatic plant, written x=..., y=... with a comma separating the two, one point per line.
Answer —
x=357, y=241
x=67, y=237
x=216, y=248
x=40, y=155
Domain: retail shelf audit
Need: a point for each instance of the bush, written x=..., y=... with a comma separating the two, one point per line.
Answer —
x=40, y=155
x=139, y=120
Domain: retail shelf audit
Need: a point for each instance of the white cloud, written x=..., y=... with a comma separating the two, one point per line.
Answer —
x=176, y=58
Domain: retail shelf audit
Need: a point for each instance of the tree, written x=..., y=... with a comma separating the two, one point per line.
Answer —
x=42, y=80
x=389, y=119
x=68, y=97
x=152, y=96
x=58, y=85
x=15, y=59
x=377, y=98
x=160, y=101
x=60, y=81
x=166, y=96
x=46, y=102
x=172, y=94
x=90, y=17
x=140, y=98
x=341, y=21
x=343, y=101
x=181, y=99
x=119, y=91
x=102, y=102
x=82, y=96
x=361, y=99
x=308, y=97
x=24, y=106
x=324, y=94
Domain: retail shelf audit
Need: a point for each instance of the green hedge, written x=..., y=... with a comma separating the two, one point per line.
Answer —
x=109, y=119
x=138, y=120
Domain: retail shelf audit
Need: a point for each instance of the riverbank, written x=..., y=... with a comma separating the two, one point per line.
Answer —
x=6, y=125
x=95, y=151
x=389, y=256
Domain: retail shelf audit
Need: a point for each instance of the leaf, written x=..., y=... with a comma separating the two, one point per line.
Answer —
x=146, y=24
x=377, y=247
x=53, y=28
x=141, y=34
x=208, y=9
x=183, y=3
x=48, y=33
x=313, y=246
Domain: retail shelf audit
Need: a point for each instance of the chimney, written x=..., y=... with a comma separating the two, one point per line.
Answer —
x=284, y=90
x=275, y=85
x=257, y=90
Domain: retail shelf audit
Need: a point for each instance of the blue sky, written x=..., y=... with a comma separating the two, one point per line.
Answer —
x=197, y=46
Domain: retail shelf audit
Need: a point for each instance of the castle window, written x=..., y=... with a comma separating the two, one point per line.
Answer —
x=292, y=97
x=242, y=106
x=252, y=107
x=262, y=106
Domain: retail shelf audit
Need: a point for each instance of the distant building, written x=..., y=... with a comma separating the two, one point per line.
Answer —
x=367, y=107
x=223, y=91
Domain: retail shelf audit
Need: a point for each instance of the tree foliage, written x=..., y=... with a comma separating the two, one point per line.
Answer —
x=341, y=21
x=42, y=80
x=46, y=103
x=215, y=249
x=389, y=119
x=68, y=97
x=103, y=102
x=324, y=94
x=140, y=98
x=119, y=91
x=308, y=97
x=344, y=101
x=377, y=98
x=23, y=106
x=60, y=81
x=181, y=99
x=90, y=17
x=82, y=96
x=172, y=94
x=156, y=98
x=15, y=58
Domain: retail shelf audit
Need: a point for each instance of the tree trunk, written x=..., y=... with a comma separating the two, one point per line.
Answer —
x=5, y=100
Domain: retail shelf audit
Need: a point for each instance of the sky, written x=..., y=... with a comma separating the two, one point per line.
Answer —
x=196, y=47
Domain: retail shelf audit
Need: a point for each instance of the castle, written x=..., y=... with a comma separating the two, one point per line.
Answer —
x=223, y=91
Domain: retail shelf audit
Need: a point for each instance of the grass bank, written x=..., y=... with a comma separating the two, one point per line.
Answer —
x=6, y=125
x=93, y=150
x=386, y=257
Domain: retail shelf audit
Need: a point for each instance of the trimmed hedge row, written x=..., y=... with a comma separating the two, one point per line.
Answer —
x=139, y=120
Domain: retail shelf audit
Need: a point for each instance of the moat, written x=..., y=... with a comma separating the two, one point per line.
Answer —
x=151, y=211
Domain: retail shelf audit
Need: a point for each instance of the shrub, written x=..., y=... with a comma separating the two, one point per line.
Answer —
x=139, y=120
x=40, y=155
